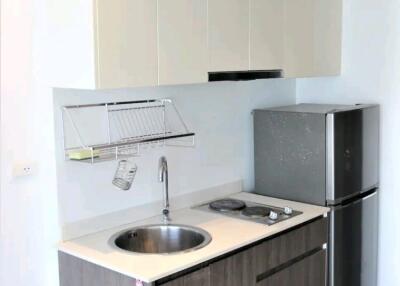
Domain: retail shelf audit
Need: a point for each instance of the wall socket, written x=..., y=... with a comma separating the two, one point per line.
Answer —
x=24, y=169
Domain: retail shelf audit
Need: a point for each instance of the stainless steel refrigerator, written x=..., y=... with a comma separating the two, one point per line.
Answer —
x=326, y=155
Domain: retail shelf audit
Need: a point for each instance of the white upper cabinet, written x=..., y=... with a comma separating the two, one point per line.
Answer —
x=328, y=36
x=313, y=32
x=266, y=34
x=182, y=36
x=126, y=43
x=228, y=35
x=104, y=44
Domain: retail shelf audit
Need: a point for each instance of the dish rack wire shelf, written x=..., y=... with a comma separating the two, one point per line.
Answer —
x=108, y=131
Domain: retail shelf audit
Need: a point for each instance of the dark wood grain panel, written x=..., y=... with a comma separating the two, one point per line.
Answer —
x=290, y=245
x=198, y=278
x=77, y=272
x=236, y=270
x=307, y=272
x=70, y=269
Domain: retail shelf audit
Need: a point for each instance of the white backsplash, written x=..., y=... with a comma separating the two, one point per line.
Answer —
x=219, y=113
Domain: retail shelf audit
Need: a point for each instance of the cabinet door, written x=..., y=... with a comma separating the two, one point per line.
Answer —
x=126, y=36
x=312, y=45
x=228, y=35
x=77, y=272
x=182, y=26
x=198, y=278
x=236, y=270
x=310, y=271
x=266, y=34
x=328, y=37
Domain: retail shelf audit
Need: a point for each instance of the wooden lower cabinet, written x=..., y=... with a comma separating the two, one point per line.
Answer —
x=290, y=246
x=197, y=278
x=309, y=271
x=78, y=272
x=236, y=270
x=295, y=257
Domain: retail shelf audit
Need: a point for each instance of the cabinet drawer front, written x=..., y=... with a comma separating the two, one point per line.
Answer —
x=291, y=245
x=198, y=278
x=307, y=272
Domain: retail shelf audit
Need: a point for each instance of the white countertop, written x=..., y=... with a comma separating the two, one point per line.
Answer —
x=227, y=234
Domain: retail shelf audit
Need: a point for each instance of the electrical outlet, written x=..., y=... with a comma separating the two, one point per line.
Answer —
x=23, y=169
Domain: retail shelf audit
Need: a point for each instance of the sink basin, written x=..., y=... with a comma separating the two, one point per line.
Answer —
x=161, y=239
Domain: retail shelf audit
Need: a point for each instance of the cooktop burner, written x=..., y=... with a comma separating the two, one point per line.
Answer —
x=245, y=210
x=227, y=205
x=256, y=212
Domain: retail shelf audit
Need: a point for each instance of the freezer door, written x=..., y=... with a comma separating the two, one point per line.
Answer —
x=352, y=156
x=353, y=246
x=289, y=155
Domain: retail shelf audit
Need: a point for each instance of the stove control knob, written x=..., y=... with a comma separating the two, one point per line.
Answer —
x=288, y=211
x=273, y=215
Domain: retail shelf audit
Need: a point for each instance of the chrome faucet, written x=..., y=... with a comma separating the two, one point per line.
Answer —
x=163, y=178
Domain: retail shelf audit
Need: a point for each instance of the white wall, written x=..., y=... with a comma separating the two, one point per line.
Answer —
x=28, y=210
x=371, y=73
x=219, y=113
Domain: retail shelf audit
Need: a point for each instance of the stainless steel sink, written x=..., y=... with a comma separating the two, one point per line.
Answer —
x=161, y=239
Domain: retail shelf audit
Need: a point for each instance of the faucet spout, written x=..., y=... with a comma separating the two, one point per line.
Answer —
x=163, y=178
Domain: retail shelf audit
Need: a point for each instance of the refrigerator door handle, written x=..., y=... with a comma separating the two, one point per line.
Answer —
x=352, y=198
x=355, y=201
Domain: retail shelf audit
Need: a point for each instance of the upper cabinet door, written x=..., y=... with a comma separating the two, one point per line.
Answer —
x=182, y=26
x=328, y=37
x=312, y=37
x=266, y=34
x=126, y=34
x=228, y=35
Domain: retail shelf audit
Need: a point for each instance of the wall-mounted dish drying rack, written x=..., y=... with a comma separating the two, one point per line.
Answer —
x=109, y=131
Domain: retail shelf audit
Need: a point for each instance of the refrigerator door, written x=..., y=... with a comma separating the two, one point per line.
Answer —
x=353, y=247
x=352, y=144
